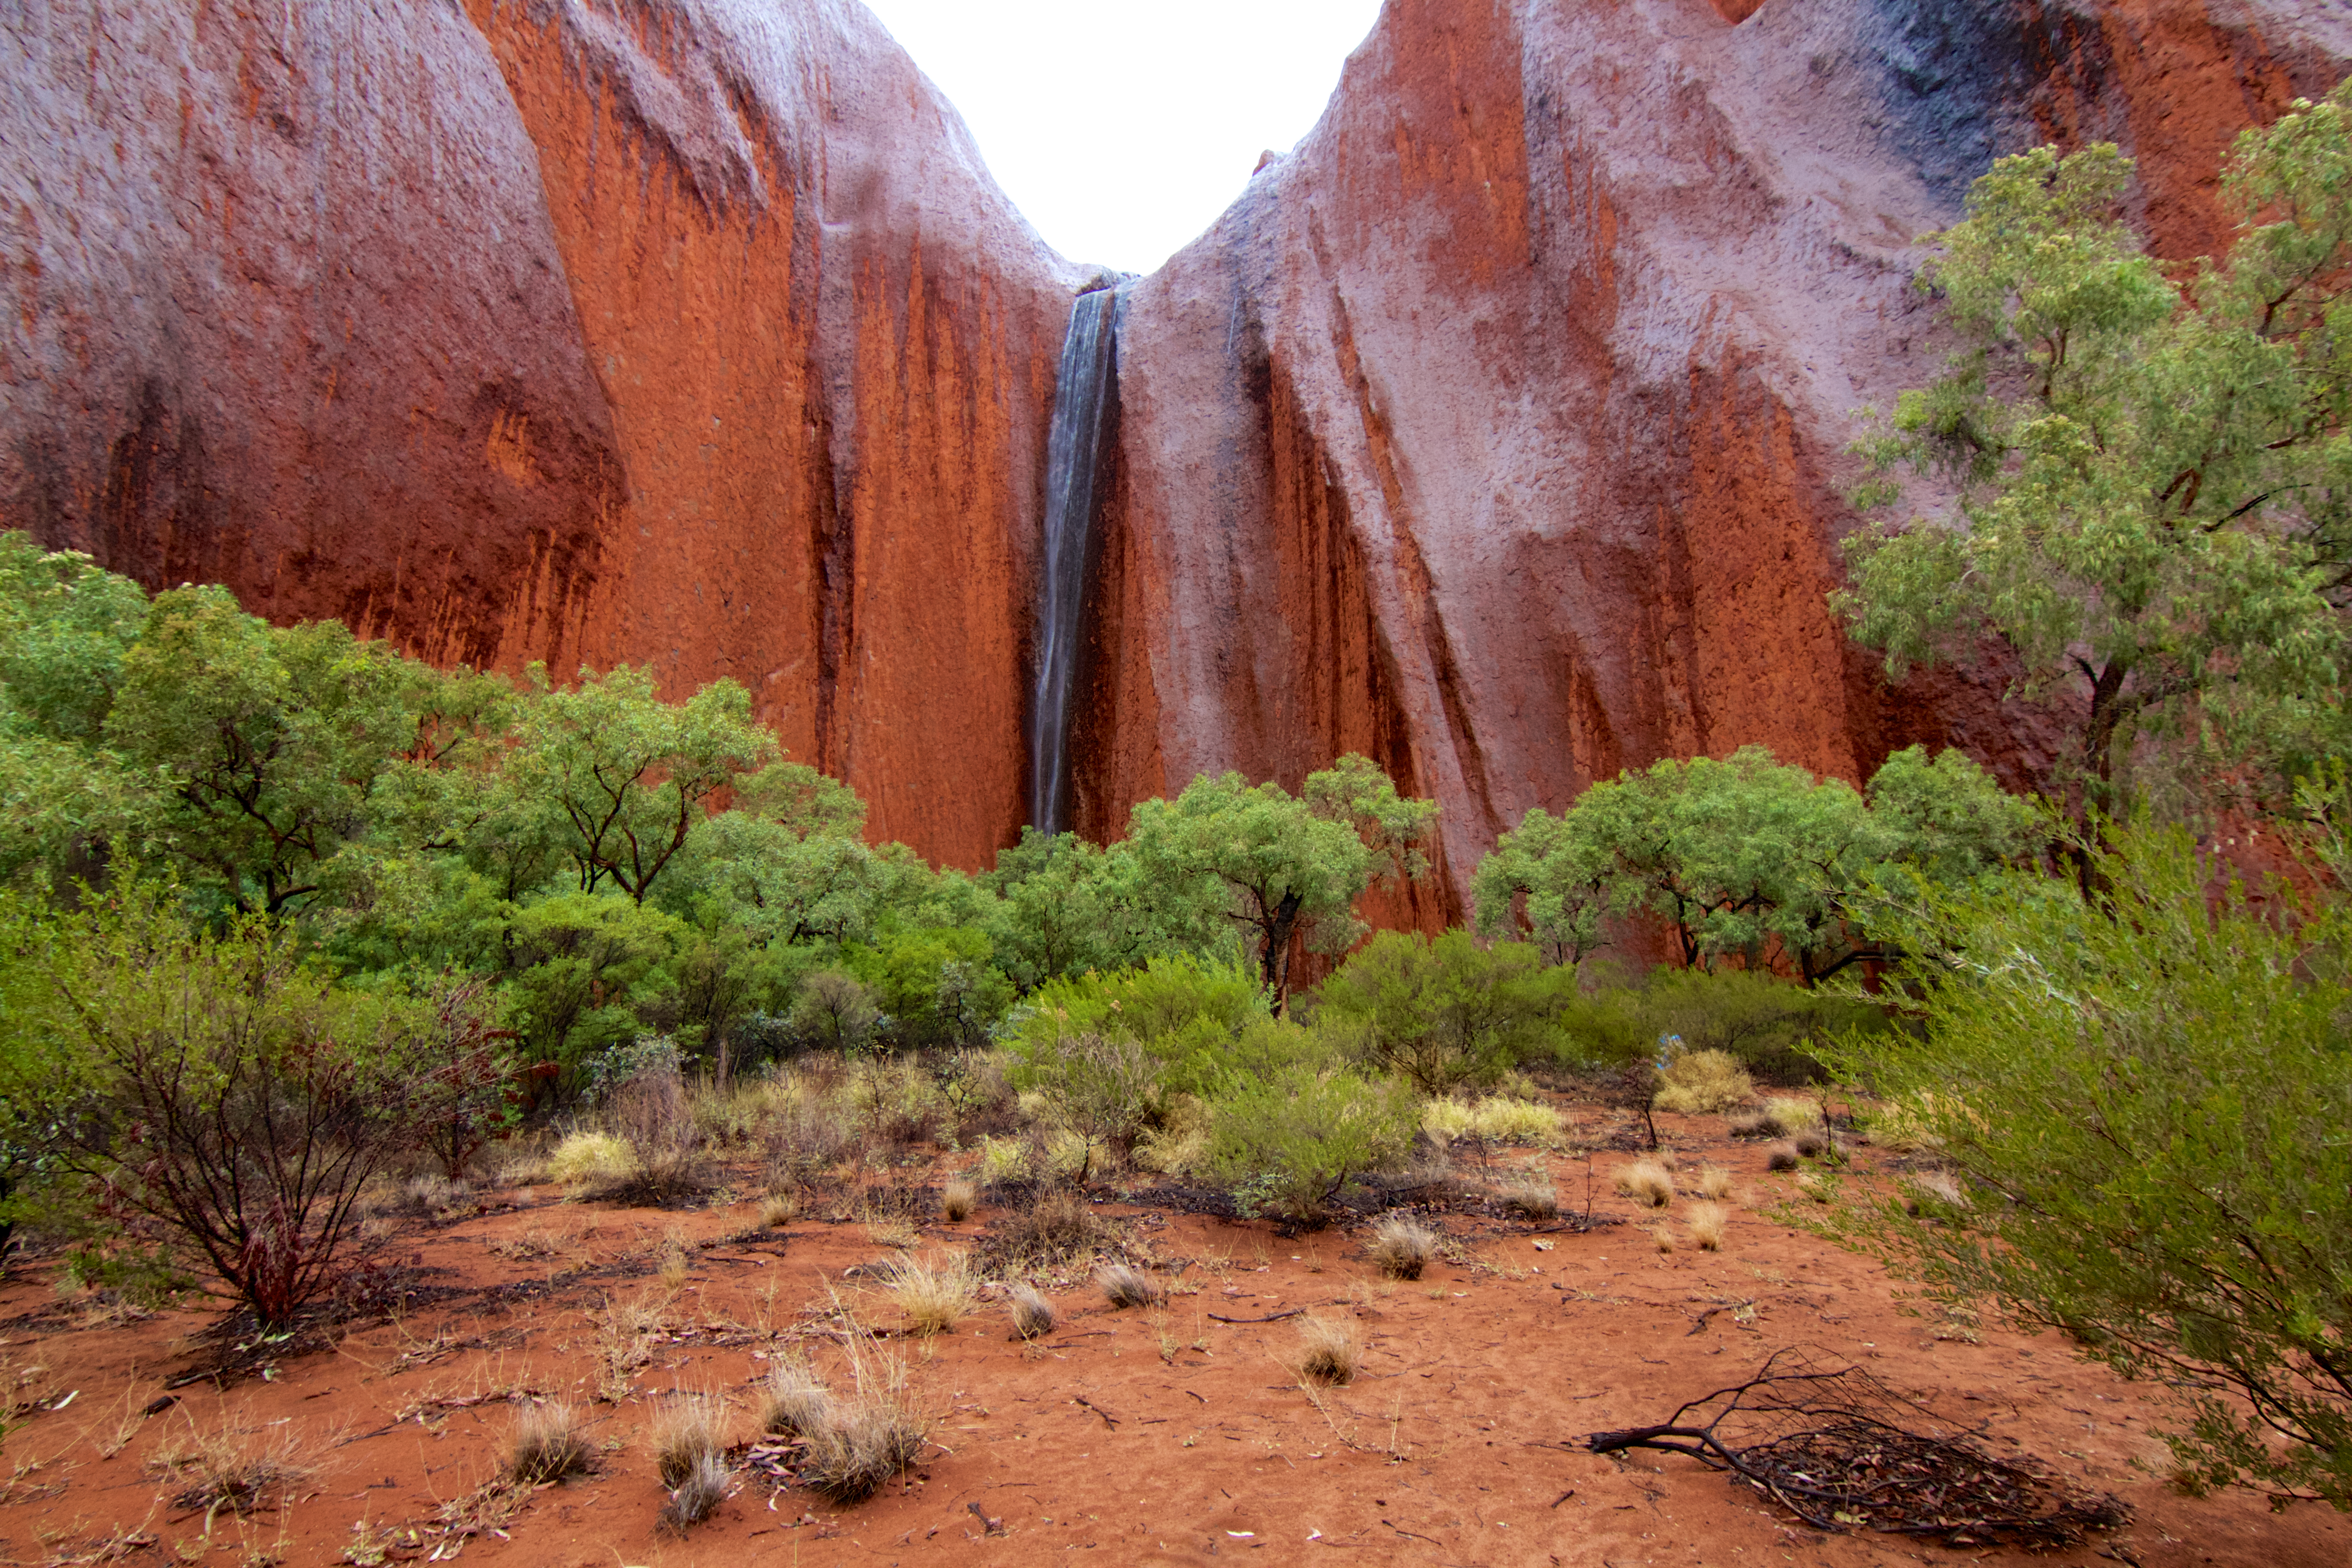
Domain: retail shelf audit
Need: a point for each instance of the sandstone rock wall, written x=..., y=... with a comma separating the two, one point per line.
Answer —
x=686, y=332
x=1495, y=432
x=1498, y=431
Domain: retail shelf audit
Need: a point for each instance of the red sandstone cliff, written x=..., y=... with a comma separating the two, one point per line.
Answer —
x=686, y=333
x=1497, y=430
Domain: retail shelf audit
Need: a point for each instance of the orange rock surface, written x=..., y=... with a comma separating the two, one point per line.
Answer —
x=1496, y=431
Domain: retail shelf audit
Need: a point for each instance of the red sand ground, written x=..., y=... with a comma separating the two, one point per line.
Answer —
x=1455, y=1447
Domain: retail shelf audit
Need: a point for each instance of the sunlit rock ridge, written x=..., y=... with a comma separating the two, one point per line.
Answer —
x=1496, y=431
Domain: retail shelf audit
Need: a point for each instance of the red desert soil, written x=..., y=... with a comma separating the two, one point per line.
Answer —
x=1174, y=1441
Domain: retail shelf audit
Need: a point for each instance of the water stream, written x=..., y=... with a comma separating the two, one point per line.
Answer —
x=1082, y=395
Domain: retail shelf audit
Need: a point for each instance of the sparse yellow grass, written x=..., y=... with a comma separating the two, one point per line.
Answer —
x=1328, y=1353
x=1701, y=1082
x=1709, y=1222
x=1003, y=1159
x=935, y=1296
x=590, y=1157
x=1790, y=1113
x=1715, y=1182
x=1499, y=1119
x=233, y=1469
x=1648, y=1182
x=1401, y=1246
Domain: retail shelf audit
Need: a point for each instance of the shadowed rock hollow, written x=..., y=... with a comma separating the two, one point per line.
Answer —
x=1495, y=431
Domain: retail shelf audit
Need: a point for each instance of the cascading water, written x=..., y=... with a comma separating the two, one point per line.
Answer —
x=1082, y=398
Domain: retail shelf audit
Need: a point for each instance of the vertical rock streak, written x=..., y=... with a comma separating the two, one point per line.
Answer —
x=1073, y=446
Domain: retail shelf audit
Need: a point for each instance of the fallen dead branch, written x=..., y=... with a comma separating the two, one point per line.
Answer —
x=1842, y=1451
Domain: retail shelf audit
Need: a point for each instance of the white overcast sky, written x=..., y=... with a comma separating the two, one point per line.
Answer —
x=1121, y=130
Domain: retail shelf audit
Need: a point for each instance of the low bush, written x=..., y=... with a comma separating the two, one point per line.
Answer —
x=1287, y=1143
x=1054, y=1228
x=1781, y=1156
x=1443, y=1013
x=649, y=1112
x=1531, y=1197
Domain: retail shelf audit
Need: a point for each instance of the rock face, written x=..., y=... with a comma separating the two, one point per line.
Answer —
x=675, y=331
x=1495, y=431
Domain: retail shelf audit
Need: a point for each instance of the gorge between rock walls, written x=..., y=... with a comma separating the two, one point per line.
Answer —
x=1496, y=431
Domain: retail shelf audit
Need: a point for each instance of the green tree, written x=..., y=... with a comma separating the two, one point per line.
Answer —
x=580, y=967
x=1280, y=867
x=66, y=627
x=2144, y=1100
x=1744, y=855
x=2151, y=479
x=1445, y=1012
x=266, y=745
x=629, y=776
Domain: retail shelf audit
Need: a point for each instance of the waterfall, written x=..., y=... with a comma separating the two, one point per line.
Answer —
x=1082, y=394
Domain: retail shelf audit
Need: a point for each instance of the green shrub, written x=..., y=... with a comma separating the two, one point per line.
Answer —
x=1445, y=1012
x=2146, y=1096
x=1288, y=1142
x=1187, y=1013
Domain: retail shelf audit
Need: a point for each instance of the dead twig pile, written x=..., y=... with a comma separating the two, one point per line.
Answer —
x=1842, y=1451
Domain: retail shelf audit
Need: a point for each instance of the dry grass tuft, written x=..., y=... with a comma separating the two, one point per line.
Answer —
x=797, y=1402
x=1033, y=1315
x=1715, y=1182
x=1789, y=1112
x=1930, y=1190
x=778, y=1209
x=1531, y=1198
x=1700, y=1082
x=698, y=1494
x=546, y=1443
x=1328, y=1353
x=1663, y=1237
x=1124, y=1285
x=689, y=1429
x=1782, y=1157
x=934, y=1295
x=233, y=1471
x=1648, y=1182
x=955, y=1199
x=1709, y=1222
x=1401, y=1246
x=867, y=1439
x=674, y=1265
x=1752, y=1124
